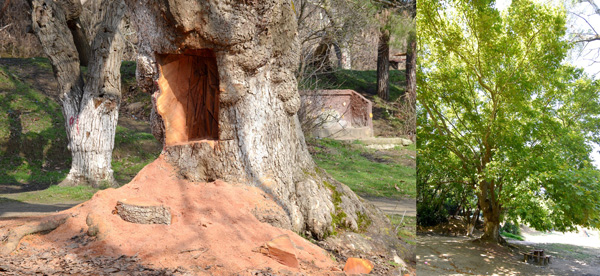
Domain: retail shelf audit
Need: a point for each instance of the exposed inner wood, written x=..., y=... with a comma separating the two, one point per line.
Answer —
x=189, y=99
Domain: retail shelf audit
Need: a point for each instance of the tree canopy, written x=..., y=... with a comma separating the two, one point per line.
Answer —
x=501, y=115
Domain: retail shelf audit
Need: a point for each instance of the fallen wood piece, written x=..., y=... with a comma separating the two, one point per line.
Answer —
x=142, y=212
x=14, y=236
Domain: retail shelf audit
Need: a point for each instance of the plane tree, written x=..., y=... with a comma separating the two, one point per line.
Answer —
x=516, y=124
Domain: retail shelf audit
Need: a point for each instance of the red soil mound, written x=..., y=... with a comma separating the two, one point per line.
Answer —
x=212, y=226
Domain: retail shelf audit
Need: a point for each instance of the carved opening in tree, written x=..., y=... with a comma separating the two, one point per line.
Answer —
x=189, y=99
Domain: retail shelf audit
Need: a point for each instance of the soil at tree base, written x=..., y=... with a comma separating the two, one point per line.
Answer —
x=213, y=232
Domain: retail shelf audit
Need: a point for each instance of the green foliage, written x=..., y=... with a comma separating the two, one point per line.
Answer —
x=511, y=228
x=430, y=215
x=501, y=117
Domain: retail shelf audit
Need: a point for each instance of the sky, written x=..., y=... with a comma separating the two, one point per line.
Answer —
x=586, y=57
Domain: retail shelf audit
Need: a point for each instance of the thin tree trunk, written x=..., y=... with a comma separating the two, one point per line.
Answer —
x=91, y=108
x=472, y=222
x=411, y=67
x=383, y=65
x=342, y=52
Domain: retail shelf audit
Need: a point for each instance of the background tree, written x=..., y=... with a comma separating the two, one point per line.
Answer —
x=496, y=99
x=584, y=32
x=90, y=105
x=395, y=19
x=328, y=29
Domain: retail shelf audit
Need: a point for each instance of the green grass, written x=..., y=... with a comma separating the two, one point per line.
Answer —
x=365, y=172
x=405, y=227
x=33, y=142
x=41, y=62
x=133, y=151
x=131, y=93
x=512, y=236
x=54, y=194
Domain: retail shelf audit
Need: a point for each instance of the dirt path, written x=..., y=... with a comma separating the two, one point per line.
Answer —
x=441, y=255
x=13, y=208
x=395, y=206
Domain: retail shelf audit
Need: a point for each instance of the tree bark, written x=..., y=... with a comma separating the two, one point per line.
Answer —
x=342, y=52
x=383, y=65
x=260, y=142
x=491, y=214
x=320, y=59
x=90, y=108
x=472, y=221
x=411, y=67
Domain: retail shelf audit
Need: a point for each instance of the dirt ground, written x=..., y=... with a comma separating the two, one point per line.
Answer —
x=212, y=226
x=392, y=206
x=443, y=255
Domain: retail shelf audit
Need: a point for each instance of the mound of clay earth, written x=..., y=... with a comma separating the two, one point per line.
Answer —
x=195, y=229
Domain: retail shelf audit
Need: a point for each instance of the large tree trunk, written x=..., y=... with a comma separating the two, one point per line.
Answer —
x=491, y=213
x=242, y=69
x=90, y=108
x=383, y=65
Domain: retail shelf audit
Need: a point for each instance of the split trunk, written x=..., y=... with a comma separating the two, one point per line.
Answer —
x=90, y=107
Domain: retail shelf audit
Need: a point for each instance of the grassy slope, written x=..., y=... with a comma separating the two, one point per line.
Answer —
x=365, y=82
x=366, y=171
x=32, y=137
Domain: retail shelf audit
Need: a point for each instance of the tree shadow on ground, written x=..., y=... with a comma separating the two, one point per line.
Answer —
x=10, y=208
x=442, y=255
x=33, y=152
